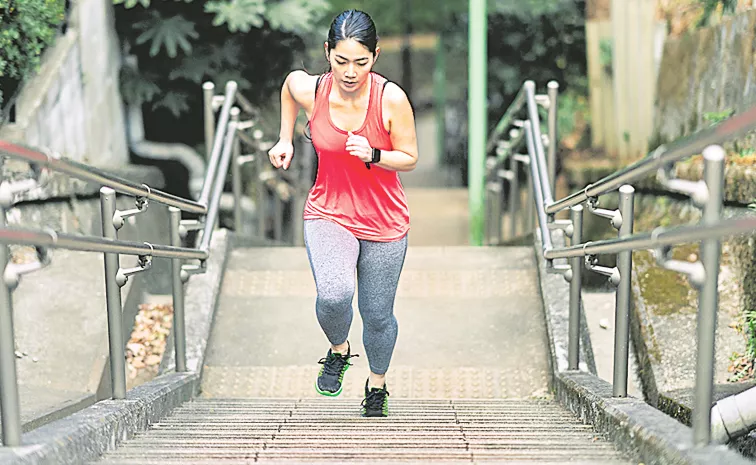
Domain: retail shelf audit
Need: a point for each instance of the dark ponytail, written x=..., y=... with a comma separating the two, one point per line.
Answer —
x=353, y=24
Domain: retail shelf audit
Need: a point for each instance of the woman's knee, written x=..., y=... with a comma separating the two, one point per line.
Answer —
x=378, y=323
x=335, y=299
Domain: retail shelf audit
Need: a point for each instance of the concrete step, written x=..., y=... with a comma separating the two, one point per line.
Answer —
x=230, y=431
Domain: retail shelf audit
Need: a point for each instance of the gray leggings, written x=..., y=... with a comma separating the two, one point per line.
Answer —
x=334, y=254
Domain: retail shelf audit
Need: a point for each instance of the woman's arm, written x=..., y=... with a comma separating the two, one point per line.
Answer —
x=294, y=96
x=397, y=107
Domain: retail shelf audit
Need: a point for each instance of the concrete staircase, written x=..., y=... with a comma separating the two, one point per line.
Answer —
x=245, y=431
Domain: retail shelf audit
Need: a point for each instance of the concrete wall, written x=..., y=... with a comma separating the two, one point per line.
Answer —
x=73, y=104
x=708, y=71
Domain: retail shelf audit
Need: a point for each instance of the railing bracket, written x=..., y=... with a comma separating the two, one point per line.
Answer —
x=695, y=271
x=189, y=270
x=591, y=262
x=14, y=271
x=564, y=225
x=696, y=190
x=141, y=202
x=543, y=100
x=144, y=263
x=564, y=270
x=218, y=101
x=189, y=225
x=242, y=160
x=522, y=158
x=613, y=215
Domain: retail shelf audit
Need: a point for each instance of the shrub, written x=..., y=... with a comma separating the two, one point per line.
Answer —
x=26, y=28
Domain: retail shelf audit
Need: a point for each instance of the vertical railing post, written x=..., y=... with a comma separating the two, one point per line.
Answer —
x=493, y=206
x=553, y=93
x=514, y=195
x=10, y=409
x=708, y=298
x=236, y=180
x=208, y=92
x=278, y=206
x=113, y=297
x=622, y=311
x=576, y=287
x=262, y=195
x=179, y=325
x=530, y=215
x=439, y=94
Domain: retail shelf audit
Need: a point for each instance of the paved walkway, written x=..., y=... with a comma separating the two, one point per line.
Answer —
x=470, y=326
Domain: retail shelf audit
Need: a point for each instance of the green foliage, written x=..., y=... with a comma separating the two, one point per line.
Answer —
x=239, y=15
x=166, y=33
x=391, y=16
x=180, y=44
x=742, y=365
x=606, y=55
x=711, y=6
x=174, y=102
x=26, y=28
x=717, y=117
x=137, y=87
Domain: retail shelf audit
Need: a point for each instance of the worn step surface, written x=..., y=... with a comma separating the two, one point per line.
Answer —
x=239, y=431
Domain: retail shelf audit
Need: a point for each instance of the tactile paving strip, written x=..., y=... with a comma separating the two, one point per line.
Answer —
x=403, y=382
x=413, y=283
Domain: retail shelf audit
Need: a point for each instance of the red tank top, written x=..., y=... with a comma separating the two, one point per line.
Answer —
x=370, y=203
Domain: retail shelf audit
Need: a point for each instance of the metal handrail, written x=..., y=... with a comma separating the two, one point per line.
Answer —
x=217, y=146
x=88, y=173
x=657, y=238
x=222, y=169
x=707, y=194
x=506, y=120
x=223, y=148
x=732, y=128
x=57, y=240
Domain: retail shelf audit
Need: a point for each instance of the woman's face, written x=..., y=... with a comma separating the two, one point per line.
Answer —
x=351, y=63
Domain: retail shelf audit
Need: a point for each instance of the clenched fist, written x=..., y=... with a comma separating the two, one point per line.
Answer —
x=281, y=154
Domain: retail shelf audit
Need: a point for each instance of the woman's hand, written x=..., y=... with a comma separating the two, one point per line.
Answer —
x=281, y=154
x=359, y=147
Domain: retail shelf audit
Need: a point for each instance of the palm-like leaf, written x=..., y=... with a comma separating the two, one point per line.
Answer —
x=132, y=3
x=192, y=68
x=295, y=15
x=136, y=87
x=175, y=102
x=166, y=32
x=239, y=15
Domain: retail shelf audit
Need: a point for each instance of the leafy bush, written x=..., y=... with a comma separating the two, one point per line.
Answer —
x=26, y=28
x=179, y=45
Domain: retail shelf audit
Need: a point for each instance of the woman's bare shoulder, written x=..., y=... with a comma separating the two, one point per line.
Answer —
x=302, y=84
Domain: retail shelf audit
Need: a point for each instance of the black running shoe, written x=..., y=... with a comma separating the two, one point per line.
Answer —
x=376, y=402
x=332, y=374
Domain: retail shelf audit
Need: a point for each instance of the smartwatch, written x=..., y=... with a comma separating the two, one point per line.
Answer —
x=376, y=156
